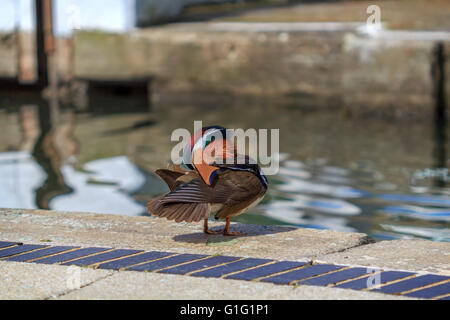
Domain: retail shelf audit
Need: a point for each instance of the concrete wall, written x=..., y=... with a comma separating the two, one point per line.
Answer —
x=332, y=65
x=313, y=64
x=387, y=76
x=8, y=54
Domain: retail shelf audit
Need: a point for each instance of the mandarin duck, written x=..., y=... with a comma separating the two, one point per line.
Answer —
x=212, y=177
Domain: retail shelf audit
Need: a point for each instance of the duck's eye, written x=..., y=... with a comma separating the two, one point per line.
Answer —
x=209, y=141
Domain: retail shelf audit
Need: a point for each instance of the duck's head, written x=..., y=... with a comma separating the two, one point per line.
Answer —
x=207, y=146
x=200, y=141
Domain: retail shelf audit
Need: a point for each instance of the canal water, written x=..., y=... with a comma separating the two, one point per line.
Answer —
x=382, y=177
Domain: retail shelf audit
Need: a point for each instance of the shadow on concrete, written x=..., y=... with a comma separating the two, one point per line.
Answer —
x=221, y=240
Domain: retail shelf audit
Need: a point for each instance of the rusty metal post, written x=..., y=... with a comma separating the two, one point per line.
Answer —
x=48, y=27
x=47, y=69
x=47, y=47
x=42, y=63
x=45, y=39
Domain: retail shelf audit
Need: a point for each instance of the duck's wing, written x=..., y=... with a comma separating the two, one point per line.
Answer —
x=235, y=190
x=230, y=187
x=195, y=191
x=244, y=189
x=174, y=179
x=188, y=212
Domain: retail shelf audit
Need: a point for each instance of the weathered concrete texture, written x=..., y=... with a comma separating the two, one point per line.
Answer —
x=38, y=281
x=139, y=285
x=217, y=57
x=337, y=65
x=274, y=242
x=18, y=56
x=35, y=281
x=41, y=281
x=387, y=74
x=413, y=255
x=447, y=72
x=86, y=229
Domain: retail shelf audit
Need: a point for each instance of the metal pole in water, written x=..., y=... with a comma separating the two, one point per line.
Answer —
x=47, y=71
x=50, y=49
x=42, y=63
x=45, y=150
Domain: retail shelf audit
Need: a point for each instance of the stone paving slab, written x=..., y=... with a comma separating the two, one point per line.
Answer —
x=146, y=233
x=412, y=255
x=138, y=285
x=38, y=281
x=265, y=270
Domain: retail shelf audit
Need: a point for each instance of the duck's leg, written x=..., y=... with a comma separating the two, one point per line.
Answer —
x=227, y=232
x=206, y=230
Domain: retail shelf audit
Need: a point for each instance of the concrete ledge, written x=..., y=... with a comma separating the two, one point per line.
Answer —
x=270, y=242
x=412, y=255
x=87, y=229
x=37, y=281
x=158, y=286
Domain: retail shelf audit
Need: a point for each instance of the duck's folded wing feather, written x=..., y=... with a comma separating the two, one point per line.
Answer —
x=189, y=212
x=196, y=191
x=170, y=177
x=231, y=185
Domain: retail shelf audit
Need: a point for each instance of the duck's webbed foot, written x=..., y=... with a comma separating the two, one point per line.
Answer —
x=207, y=230
x=227, y=232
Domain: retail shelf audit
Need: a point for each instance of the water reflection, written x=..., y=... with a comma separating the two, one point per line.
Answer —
x=48, y=156
x=105, y=186
x=300, y=197
x=74, y=160
x=42, y=174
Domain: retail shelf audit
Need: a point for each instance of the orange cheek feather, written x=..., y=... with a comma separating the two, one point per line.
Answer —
x=203, y=168
x=215, y=151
